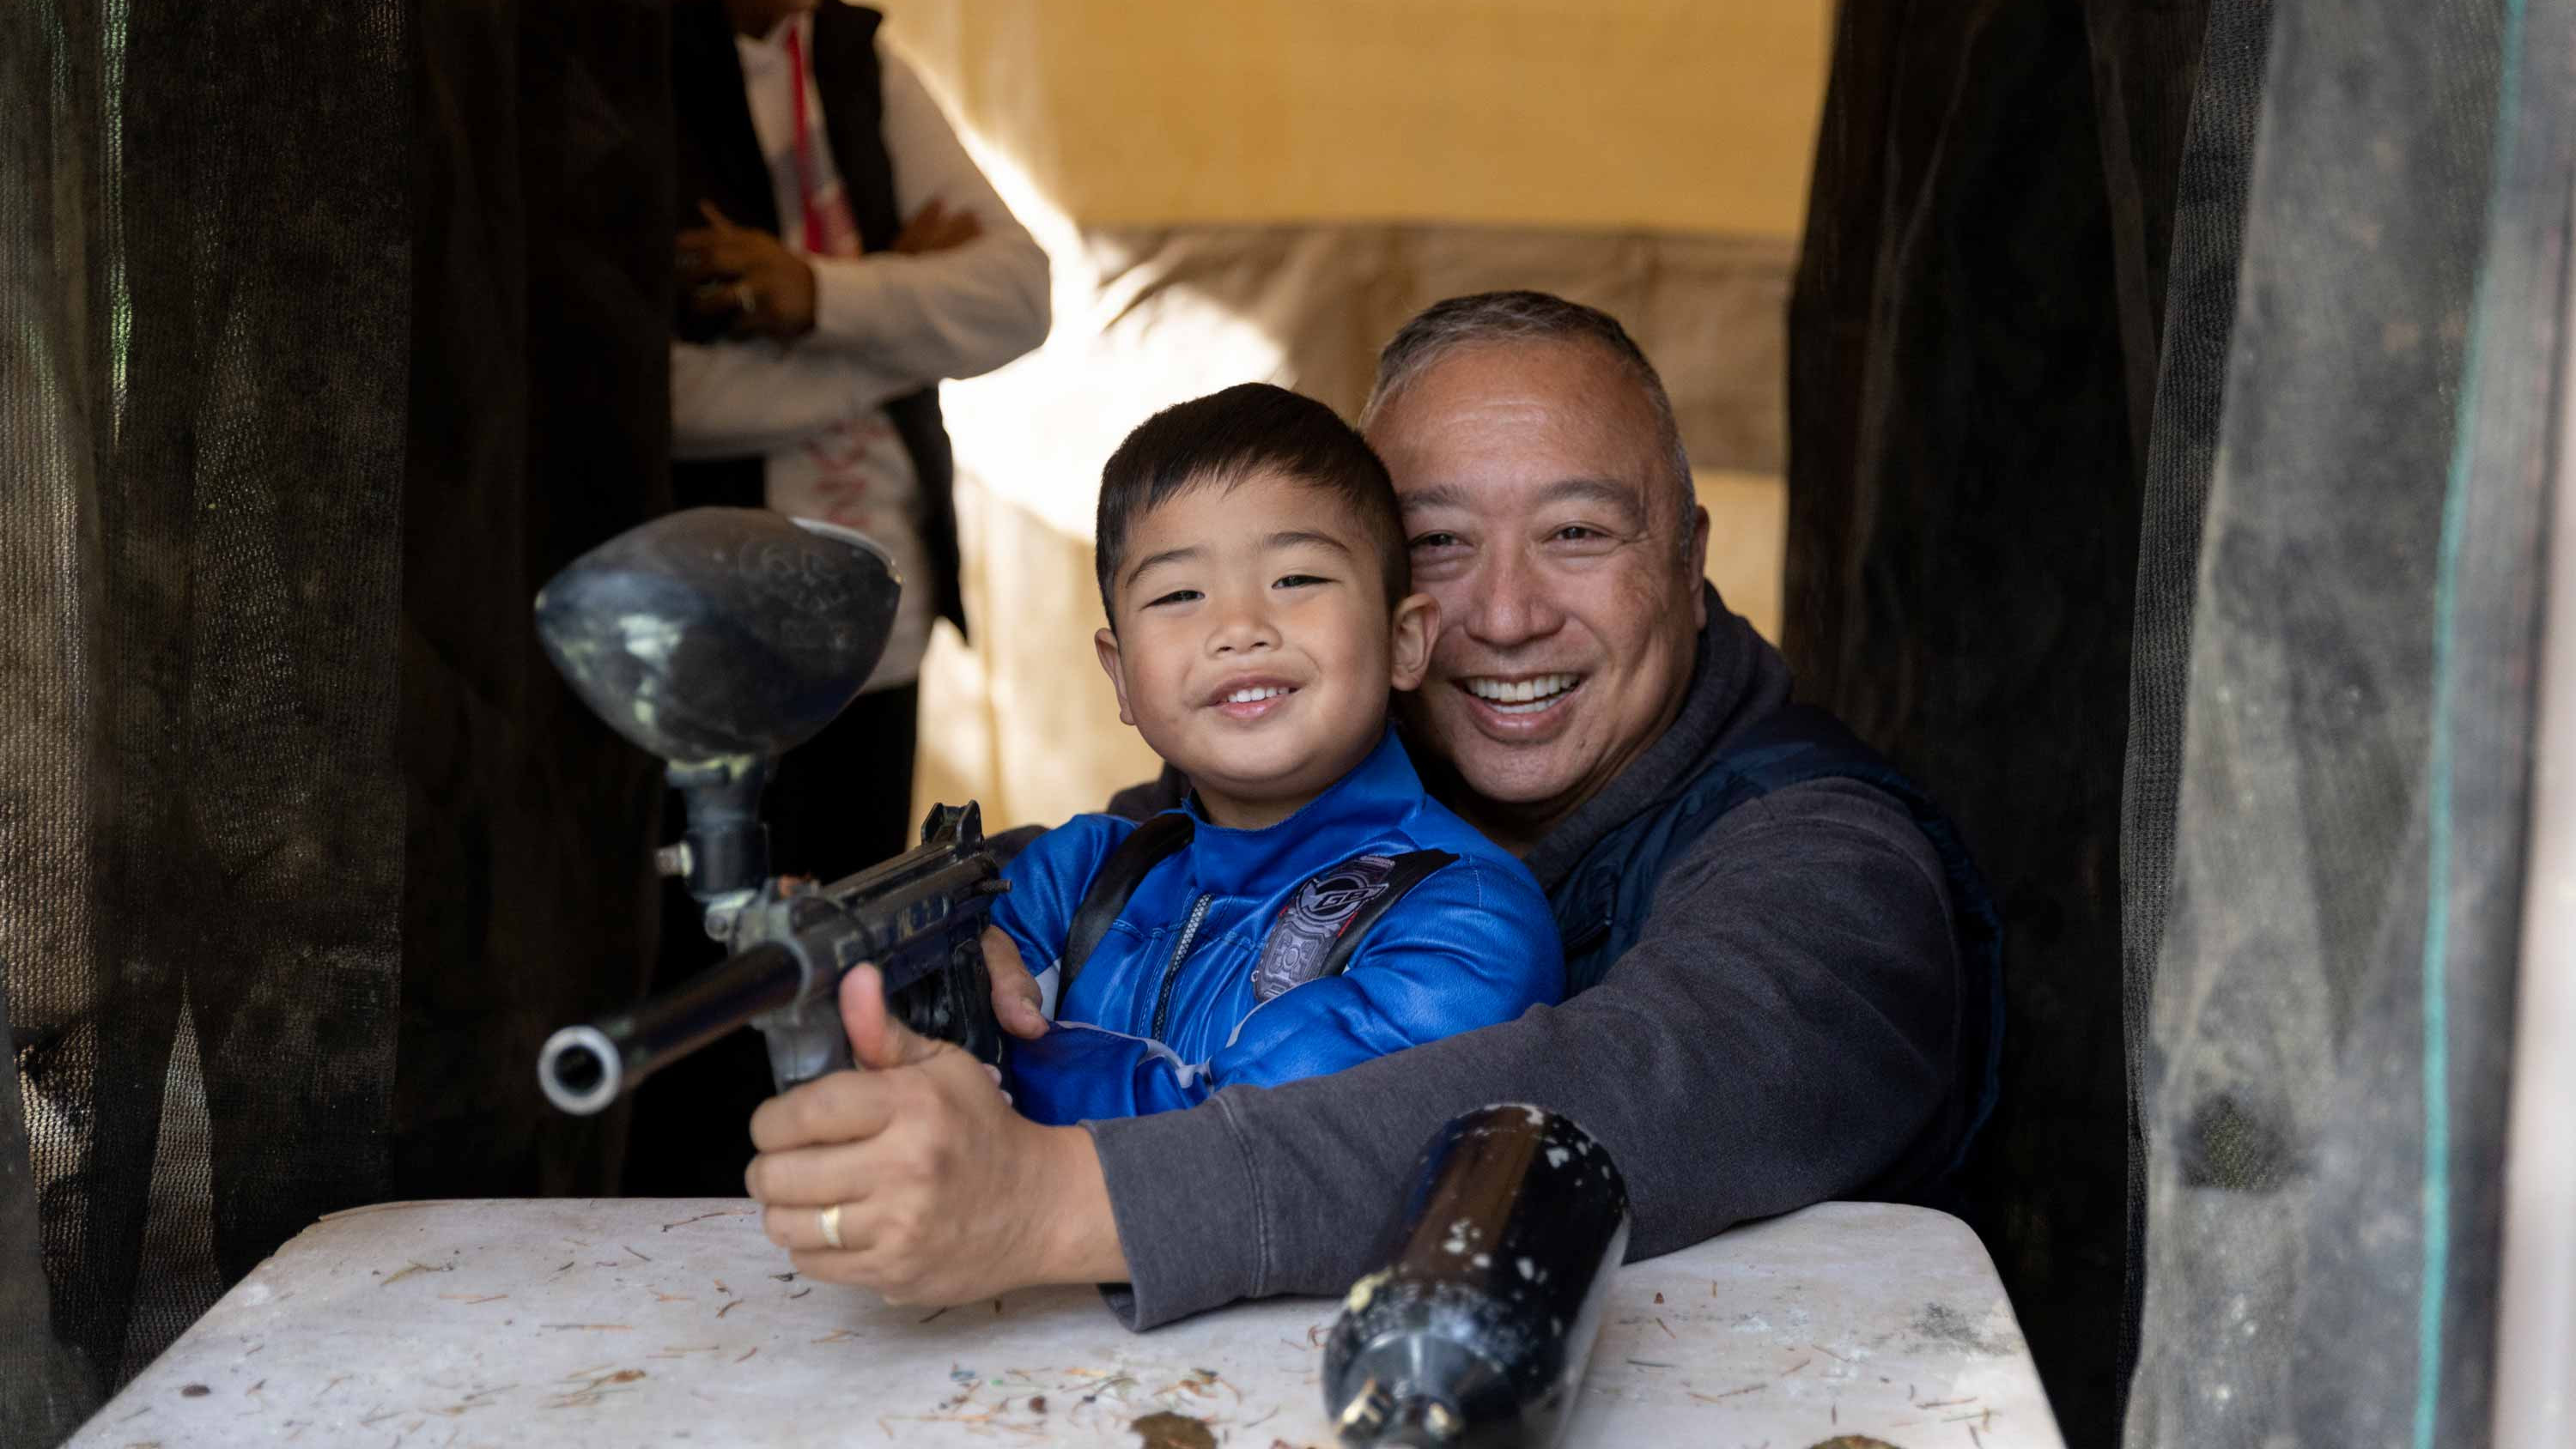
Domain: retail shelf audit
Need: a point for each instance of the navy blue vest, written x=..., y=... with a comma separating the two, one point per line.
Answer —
x=1602, y=904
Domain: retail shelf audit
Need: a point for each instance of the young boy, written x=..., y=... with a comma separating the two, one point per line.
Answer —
x=1309, y=907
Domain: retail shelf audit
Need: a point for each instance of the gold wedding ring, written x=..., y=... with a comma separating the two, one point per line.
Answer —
x=830, y=1221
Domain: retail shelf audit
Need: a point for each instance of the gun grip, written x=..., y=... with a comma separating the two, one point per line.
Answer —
x=955, y=1004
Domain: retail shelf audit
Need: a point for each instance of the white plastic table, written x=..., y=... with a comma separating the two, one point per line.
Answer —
x=570, y=1323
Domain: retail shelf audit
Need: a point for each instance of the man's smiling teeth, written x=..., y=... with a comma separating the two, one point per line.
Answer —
x=1522, y=696
x=1258, y=692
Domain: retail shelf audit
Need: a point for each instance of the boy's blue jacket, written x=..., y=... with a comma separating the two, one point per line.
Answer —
x=1472, y=944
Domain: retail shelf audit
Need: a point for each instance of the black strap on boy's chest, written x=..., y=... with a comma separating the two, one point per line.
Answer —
x=1383, y=881
x=1116, y=880
x=1161, y=835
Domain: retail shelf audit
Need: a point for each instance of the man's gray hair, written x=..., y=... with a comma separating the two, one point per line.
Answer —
x=1520, y=316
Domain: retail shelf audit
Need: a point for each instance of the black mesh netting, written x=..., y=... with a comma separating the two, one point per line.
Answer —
x=1972, y=338
x=2072, y=276
x=2200, y=308
x=539, y=426
x=2334, y=794
x=201, y=411
x=302, y=847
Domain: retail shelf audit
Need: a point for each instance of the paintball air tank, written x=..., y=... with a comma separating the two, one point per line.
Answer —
x=1475, y=1335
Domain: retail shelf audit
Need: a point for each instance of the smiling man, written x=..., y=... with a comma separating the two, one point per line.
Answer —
x=1781, y=970
x=1546, y=499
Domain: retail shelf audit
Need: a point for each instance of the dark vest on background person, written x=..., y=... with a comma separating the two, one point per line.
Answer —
x=718, y=158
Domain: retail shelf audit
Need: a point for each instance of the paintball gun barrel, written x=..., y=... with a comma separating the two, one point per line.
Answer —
x=917, y=917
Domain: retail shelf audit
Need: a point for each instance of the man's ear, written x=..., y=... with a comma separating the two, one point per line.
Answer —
x=1417, y=624
x=1698, y=556
x=1106, y=642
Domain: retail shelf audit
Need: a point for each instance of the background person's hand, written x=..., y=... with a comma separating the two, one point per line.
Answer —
x=1016, y=999
x=747, y=274
x=935, y=228
x=946, y=1195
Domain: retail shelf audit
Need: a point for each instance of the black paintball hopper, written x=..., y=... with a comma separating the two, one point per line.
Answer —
x=718, y=639
x=720, y=633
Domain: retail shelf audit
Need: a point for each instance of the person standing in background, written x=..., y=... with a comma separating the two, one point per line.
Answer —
x=838, y=255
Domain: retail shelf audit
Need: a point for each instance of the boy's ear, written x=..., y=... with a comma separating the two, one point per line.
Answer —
x=1417, y=624
x=1106, y=643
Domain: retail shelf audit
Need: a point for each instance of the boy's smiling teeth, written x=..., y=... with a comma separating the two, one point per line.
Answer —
x=1531, y=694
x=1257, y=692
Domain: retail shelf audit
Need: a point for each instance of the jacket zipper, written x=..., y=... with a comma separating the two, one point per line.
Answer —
x=1172, y=971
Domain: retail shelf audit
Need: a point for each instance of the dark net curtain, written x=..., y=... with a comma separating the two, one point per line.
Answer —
x=2200, y=315
x=1974, y=338
x=2335, y=869
x=205, y=332
x=540, y=427
x=326, y=334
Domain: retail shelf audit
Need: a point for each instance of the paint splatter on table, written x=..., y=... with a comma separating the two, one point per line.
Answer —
x=568, y=1323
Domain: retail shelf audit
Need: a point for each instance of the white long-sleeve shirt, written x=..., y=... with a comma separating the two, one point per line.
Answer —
x=885, y=325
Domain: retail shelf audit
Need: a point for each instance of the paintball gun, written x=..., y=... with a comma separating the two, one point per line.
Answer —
x=717, y=639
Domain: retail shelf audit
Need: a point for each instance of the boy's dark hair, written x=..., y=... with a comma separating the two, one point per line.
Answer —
x=1222, y=440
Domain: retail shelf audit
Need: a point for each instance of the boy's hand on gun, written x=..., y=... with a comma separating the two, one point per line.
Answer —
x=937, y=1191
x=1016, y=1001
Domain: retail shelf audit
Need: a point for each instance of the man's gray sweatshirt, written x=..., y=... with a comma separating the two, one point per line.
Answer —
x=1785, y=1032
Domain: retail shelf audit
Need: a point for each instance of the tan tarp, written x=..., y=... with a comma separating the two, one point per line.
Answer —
x=1262, y=191
x=1657, y=115
x=1024, y=721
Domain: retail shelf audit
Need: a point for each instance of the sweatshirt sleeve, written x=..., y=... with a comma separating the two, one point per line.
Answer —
x=1784, y=1032
x=753, y=396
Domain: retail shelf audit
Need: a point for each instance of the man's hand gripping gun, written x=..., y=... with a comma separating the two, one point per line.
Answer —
x=717, y=639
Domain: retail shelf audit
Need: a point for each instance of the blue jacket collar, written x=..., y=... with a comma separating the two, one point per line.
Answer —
x=1380, y=789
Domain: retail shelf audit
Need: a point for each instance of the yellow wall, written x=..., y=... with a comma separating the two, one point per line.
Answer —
x=1667, y=115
